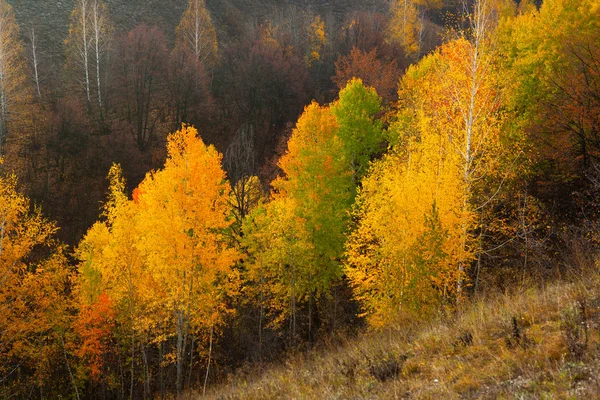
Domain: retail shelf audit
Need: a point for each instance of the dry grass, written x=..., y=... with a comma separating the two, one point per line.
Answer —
x=540, y=343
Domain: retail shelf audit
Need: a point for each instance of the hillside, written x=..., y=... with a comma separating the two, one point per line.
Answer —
x=299, y=199
x=51, y=17
x=538, y=343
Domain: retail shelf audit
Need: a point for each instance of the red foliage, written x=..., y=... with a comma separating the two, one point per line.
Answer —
x=137, y=193
x=94, y=326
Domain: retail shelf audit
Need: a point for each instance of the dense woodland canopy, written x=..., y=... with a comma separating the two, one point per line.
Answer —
x=188, y=187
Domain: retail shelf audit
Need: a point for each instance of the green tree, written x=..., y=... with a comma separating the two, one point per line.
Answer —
x=360, y=129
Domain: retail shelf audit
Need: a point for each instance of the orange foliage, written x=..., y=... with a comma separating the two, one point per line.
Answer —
x=95, y=325
x=164, y=257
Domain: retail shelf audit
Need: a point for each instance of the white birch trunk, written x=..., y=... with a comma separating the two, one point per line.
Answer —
x=85, y=50
x=35, y=63
x=98, y=23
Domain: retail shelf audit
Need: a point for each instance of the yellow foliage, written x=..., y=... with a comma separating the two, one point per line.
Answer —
x=163, y=257
x=183, y=211
x=404, y=254
x=281, y=255
x=296, y=239
x=317, y=39
x=20, y=231
x=407, y=23
x=417, y=207
x=16, y=108
x=33, y=287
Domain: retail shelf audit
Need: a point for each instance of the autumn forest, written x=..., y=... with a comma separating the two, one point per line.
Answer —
x=189, y=189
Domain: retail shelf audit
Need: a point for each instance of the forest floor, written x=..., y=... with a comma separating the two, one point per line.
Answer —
x=538, y=343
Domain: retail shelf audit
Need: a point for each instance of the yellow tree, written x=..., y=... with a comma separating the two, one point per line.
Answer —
x=449, y=162
x=413, y=195
x=553, y=56
x=281, y=255
x=403, y=256
x=472, y=81
x=407, y=23
x=163, y=258
x=319, y=179
x=317, y=40
x=15, y=94
x=111, y=265
x=183, y=213
x=34, y=295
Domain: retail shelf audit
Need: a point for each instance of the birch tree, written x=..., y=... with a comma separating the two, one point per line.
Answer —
x=419, y=208
x=197, y=34
x=34, y=58
x=87, y=45
x=191, y=62
x=183, y=214
x=79, y=46
x=101, y=37
x=476, y=98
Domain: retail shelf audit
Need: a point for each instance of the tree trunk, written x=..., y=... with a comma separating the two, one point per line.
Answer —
x=212, y=329
x=84, y=17
x=62, y=341
x=35, y=62
x=161, y=371
x=98, y=25
x=189, y=385
x=182, y=327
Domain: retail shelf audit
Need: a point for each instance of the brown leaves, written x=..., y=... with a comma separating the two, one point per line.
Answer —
x=376, y=72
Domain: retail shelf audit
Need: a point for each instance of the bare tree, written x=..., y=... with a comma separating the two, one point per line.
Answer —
x=240, y=164
x=141, y=81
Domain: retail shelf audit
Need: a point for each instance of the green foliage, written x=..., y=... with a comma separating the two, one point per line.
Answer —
x=296, y=241
x=360, y=128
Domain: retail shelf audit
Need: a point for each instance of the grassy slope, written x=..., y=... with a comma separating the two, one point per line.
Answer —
x=476, y=354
